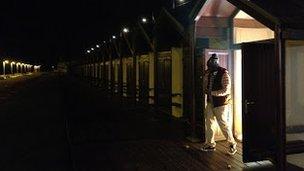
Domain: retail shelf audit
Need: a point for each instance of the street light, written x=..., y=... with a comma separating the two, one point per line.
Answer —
x=21, y=67
x=12, y=65
x=88, y=51
x=144, y=20
x=17, y=67
x=30, y=68
x=37, y=68
x=92, y=49
x=97, y=46
x=25, y=68
x=4, y=62
x=126, y=30
x=113, y=37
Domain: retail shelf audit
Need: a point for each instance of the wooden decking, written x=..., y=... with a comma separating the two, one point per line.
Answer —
x=136, y=139
x=151, y=155
x=220, y=160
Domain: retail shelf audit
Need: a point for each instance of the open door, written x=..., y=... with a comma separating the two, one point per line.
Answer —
x=259, y=102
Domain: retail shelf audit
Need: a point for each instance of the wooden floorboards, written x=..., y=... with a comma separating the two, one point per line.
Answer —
x=181, y=155
x=221, y=160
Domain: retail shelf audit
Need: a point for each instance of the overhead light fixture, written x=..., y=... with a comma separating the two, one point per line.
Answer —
x=197, y=18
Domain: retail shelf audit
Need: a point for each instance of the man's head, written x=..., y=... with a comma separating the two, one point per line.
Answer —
x=213, y=63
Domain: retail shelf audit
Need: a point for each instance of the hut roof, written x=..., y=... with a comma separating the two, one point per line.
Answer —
x=271, y=12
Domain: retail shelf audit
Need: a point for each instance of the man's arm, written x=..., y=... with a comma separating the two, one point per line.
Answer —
x=226, y=83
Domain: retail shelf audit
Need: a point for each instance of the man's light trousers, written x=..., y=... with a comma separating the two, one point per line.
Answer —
x=219, y=114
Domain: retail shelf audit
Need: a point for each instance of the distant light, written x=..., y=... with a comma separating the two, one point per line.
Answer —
x=53, y=67
x=181, y=1
x=37, y=66
x=113, y=37
x=126, y=30
x=18, y=63
x=92, y=49
x=104, y=42
x=6, y=61
x=88, y=51
x=97, y=46
x=144, y=20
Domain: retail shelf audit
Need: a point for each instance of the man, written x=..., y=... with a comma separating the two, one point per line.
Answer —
x=217, y=88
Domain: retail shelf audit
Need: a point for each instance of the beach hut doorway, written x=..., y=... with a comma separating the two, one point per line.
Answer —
x=249, y=51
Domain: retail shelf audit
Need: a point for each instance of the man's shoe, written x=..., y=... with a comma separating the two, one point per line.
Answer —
x=208, y=148
x=232, y=149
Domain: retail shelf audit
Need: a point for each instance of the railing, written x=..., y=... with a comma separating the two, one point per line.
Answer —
x=113, y=87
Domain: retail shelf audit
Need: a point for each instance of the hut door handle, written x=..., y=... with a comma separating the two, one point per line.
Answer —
x=248, y=103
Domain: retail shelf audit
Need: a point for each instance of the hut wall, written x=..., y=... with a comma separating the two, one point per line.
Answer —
x=116, y=73
x=294, y=83
x=96, y=70
x=177, y=82
x=143, y=78
x=124, y=75
x=151, y=78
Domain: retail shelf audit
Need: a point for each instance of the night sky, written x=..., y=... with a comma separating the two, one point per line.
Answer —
x=43, y=31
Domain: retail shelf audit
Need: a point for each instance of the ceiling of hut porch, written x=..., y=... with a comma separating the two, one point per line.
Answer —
x=217, y=8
